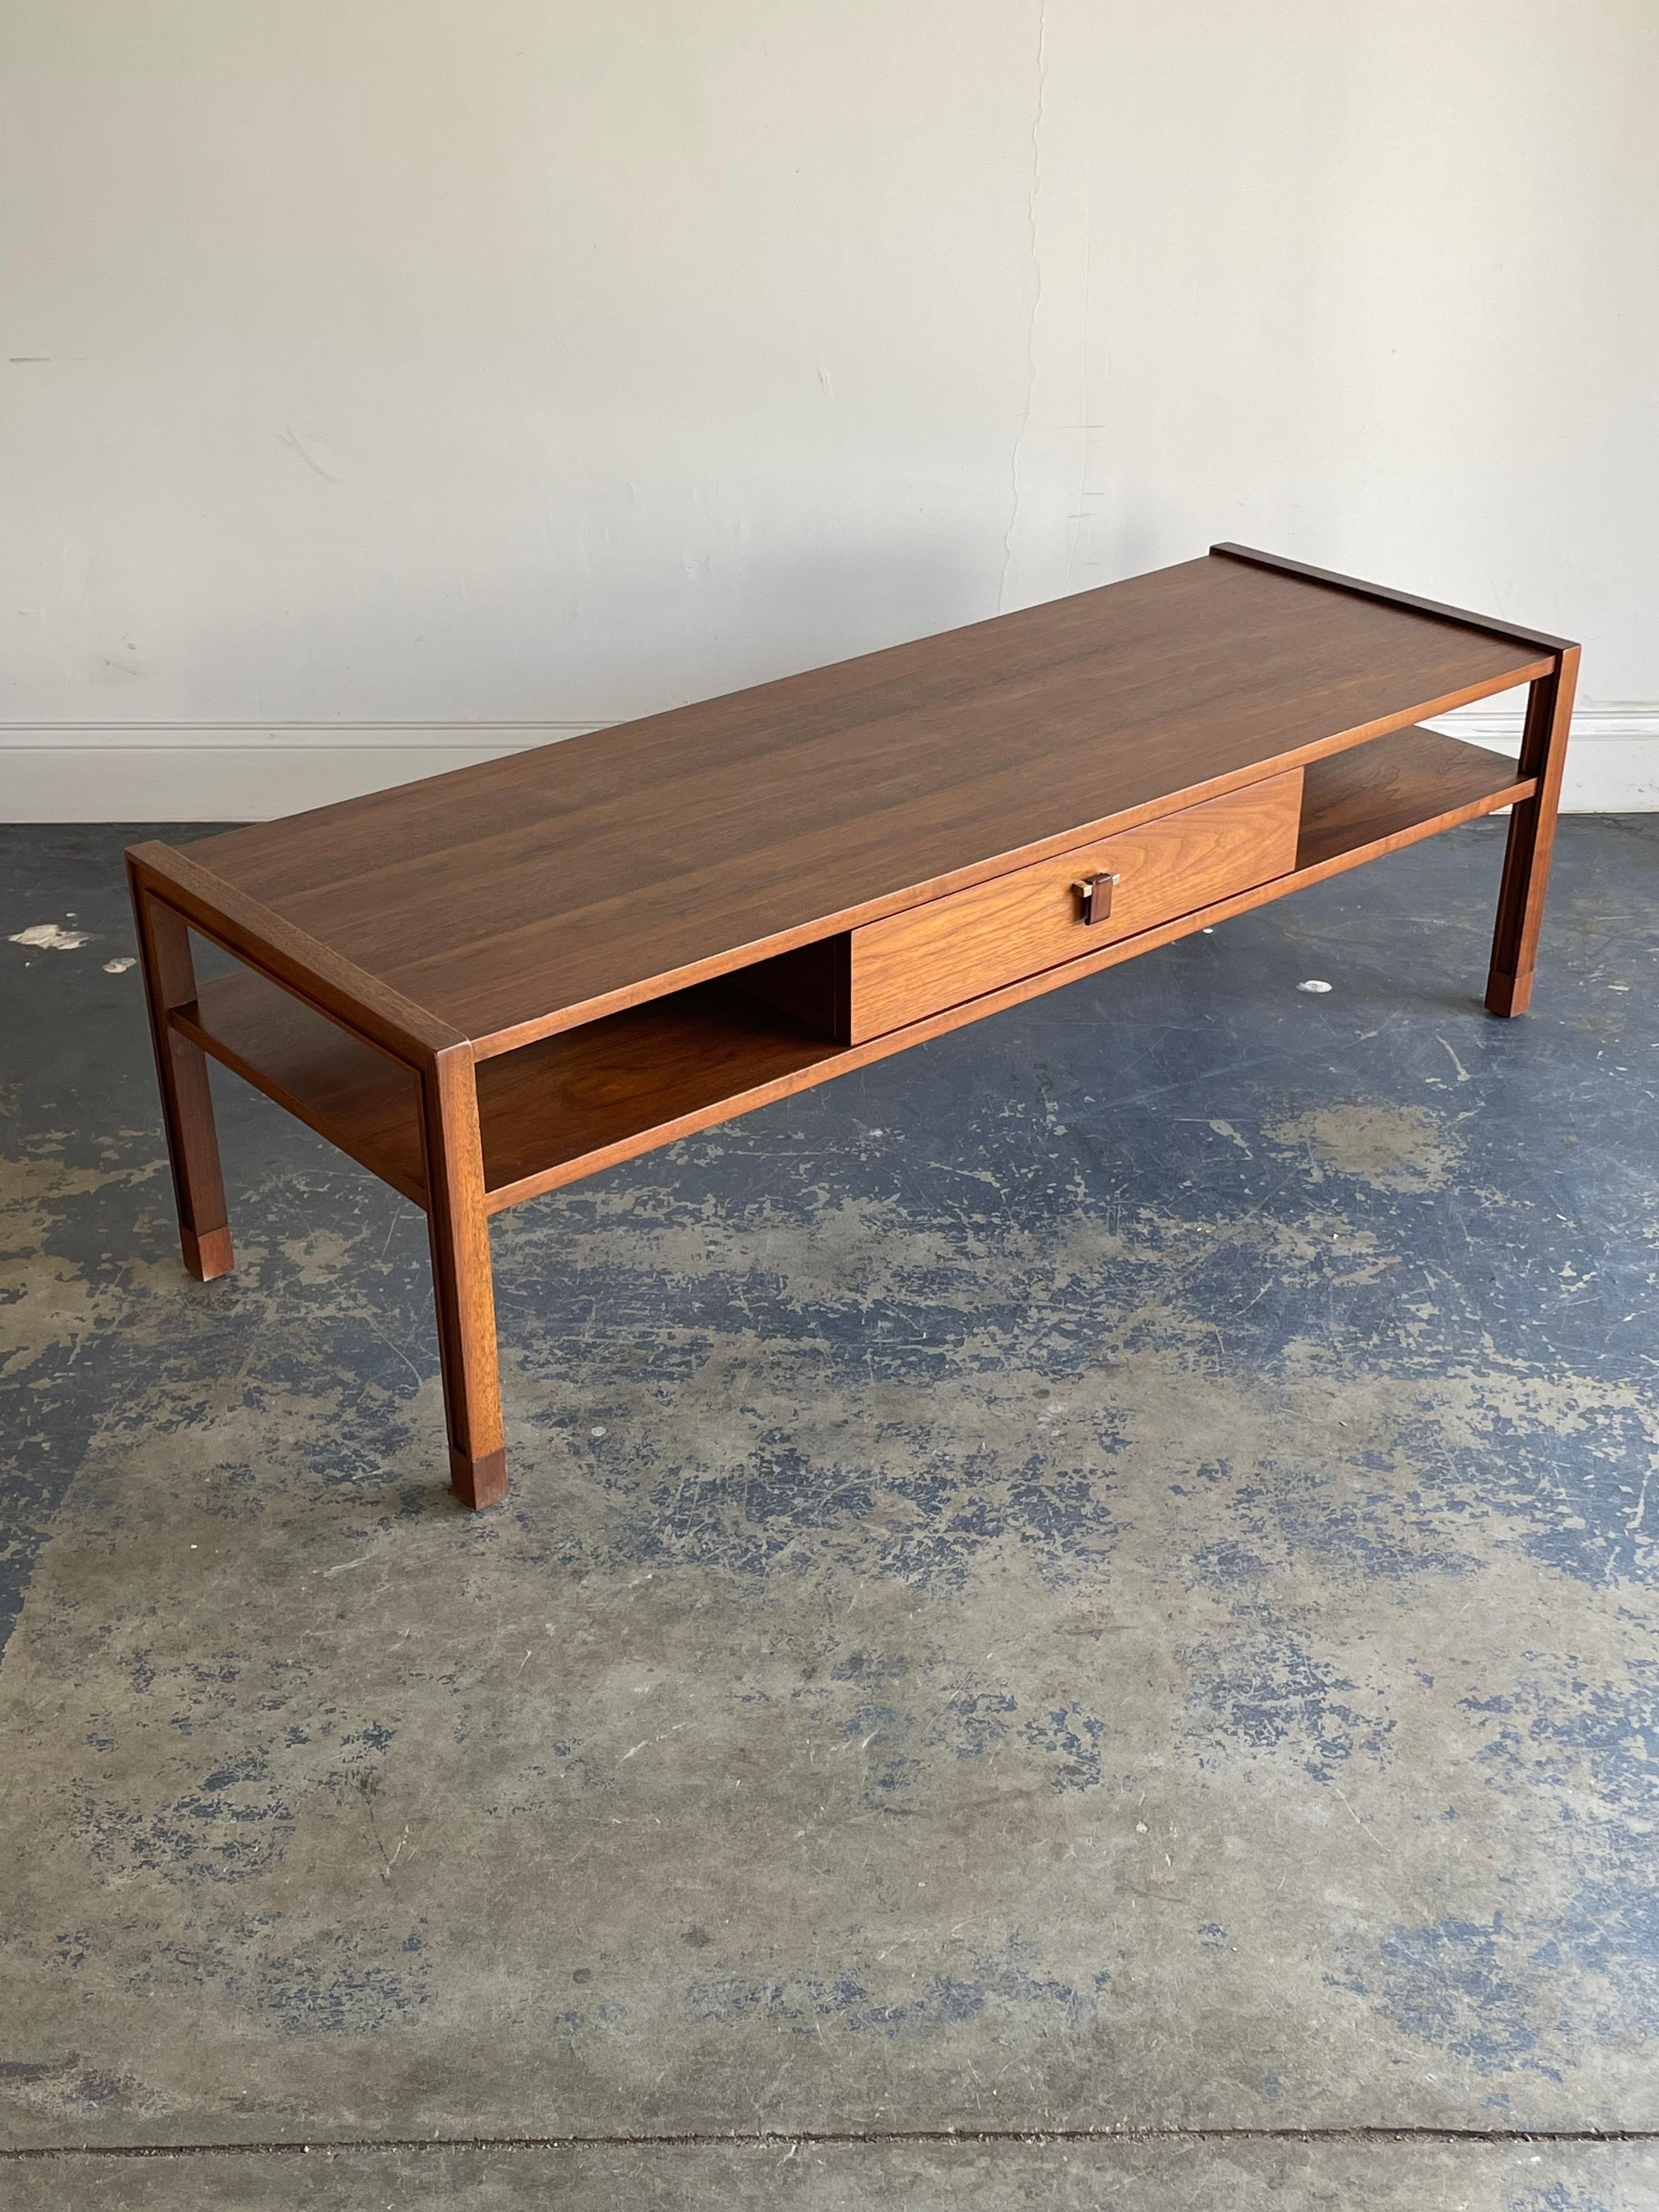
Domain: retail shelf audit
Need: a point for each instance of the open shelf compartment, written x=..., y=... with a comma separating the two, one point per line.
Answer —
x=548, y=1112
x=1391, y=791
x=586, y=1097
x=358, y=1097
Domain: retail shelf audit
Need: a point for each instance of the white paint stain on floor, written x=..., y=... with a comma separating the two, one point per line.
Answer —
x=50, y=936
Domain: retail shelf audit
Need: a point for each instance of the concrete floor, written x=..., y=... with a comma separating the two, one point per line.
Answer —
x=1099, y=1577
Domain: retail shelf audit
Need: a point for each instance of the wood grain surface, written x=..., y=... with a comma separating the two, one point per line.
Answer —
x=1334, y=580
x=1378, y=797
x=256, y=933
x=508, y=900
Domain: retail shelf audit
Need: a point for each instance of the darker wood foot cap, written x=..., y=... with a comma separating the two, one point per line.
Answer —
x=208, y=1255
x=1508, y=994
x=478, y=1482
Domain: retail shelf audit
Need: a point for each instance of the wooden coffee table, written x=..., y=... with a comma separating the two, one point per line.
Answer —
x=488, y=983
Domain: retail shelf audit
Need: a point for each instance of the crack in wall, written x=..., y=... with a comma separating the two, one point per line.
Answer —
x=1037, y=301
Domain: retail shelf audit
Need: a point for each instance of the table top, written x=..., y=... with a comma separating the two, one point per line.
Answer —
x=520, y=896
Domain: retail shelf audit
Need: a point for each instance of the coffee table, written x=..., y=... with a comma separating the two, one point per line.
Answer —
x=485, y=984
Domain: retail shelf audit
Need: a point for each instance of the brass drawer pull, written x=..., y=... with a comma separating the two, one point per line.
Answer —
x=1095, y=893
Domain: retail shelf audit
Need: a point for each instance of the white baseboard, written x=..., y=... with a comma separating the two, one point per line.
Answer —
x=237, y=772
x=231, y=771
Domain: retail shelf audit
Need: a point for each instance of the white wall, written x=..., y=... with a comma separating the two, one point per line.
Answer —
x=386, y=382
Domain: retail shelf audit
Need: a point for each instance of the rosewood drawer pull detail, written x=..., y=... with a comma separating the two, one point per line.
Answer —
x=1095, y=893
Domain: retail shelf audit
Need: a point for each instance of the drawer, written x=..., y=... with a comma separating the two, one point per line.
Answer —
x=932, y=956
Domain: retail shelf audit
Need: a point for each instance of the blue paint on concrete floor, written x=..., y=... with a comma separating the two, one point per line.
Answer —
x=1168, y=1471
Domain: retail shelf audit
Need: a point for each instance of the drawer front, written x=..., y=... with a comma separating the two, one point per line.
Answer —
x=932, y=956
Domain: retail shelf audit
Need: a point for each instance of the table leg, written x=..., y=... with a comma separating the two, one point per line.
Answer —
x=461, y=1277
x=186, y=1102
x=1532, y=834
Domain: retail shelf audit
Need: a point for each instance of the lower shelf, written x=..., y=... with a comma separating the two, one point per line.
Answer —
x=548, y=1113
x=579, y=1101
x=1392, y=791
x=360, y=1099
